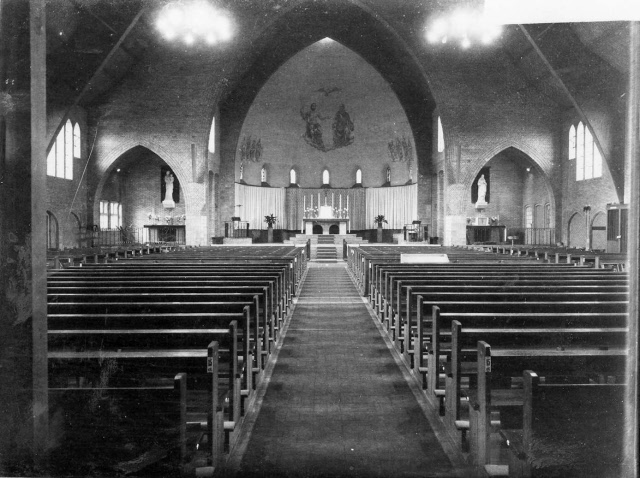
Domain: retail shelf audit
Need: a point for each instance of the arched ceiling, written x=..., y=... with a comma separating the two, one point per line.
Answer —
x=356, y=29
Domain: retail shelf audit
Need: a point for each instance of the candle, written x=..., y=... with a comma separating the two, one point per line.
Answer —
x=332, y=206
x=340, y=201
x=347, y=205
x=318, y=200
x=304, y=206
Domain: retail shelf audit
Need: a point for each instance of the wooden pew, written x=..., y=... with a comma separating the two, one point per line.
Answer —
x=143, y=365
x=122, y=430
x=527, y=332
x=496, y=369
x=568, y=429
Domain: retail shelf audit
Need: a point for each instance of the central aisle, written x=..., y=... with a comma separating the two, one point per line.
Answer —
x=337, y=403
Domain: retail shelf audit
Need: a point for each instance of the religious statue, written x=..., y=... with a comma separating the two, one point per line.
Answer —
x=342, y=128
x=168, y=194
x=313, y=131
x=482, y=190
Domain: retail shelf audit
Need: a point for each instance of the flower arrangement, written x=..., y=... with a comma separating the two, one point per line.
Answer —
x=379, y=219
x=270, y=220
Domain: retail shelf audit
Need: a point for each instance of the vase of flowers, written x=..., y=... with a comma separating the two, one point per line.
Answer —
x=270, y=220
x=379, y=219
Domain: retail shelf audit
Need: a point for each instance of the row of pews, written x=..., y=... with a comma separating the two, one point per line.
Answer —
x=153, y=360
x=557, y=255
x=102, y=255
x=524, y=359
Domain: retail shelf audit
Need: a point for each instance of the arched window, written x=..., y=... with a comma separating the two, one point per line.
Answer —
x=580, y=152
x=293, y=179
x=52, y=231
x=440, y=136
x=60, y=156
x=77, y=138
x=588, y=156
x=572, y=142
x=528, y=217
x=547, y=215
x=263, y=174
x=68, y=150
x=212, y=136
x=359, y=176
x=325, y=177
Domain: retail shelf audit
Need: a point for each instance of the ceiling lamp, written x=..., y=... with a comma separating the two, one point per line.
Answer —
x=193, y=21
x=464, y=26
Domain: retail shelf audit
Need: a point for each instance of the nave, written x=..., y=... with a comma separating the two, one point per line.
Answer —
x=337, y=402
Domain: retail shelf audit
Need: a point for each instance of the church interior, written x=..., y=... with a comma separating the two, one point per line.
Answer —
x=294, y=165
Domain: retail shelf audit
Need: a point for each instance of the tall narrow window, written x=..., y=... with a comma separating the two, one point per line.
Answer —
x=104, y=214
x=325, y=177
x=77, y=152
x=547, y=216
x=528, y=217
x=68, y=150
x=597, y=162
x=440, y=136
x=588, y=154
x=359, y=176
x=212, y=136
x=292, y=176
x=51, y=161
x=572, y=142
x=263, y=174
x=60, y=156
x=580, y=152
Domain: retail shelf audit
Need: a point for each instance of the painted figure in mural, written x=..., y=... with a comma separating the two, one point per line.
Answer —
x=342, y=128
x=482, y=190
x=313, y=132
x=168, y=182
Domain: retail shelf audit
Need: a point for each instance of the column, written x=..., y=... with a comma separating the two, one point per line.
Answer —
x=23, y=312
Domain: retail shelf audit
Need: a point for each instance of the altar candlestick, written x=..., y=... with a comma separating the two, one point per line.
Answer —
x=340, y=201
x=347, y=205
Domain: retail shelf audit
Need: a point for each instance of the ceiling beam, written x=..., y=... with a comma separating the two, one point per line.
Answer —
x=100, y=70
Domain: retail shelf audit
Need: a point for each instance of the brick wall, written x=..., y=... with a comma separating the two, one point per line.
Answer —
x=167, y=101
x=346, y=79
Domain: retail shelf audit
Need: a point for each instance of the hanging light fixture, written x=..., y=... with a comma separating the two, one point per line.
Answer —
x=194, y=21
x=464, y=26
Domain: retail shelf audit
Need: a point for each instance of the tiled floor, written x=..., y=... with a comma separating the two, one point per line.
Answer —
x=337, y=404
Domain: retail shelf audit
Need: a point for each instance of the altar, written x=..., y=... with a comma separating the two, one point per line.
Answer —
x=325, y=218
x=325, y=224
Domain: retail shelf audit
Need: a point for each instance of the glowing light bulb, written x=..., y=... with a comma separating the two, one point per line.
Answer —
x=189, y=39
x=465, y=43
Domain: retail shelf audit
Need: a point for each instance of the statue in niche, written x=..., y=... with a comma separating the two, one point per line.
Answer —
x=482, y=190
x=168, y=191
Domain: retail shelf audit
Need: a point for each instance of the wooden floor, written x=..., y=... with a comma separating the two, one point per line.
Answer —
x=338, y=403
